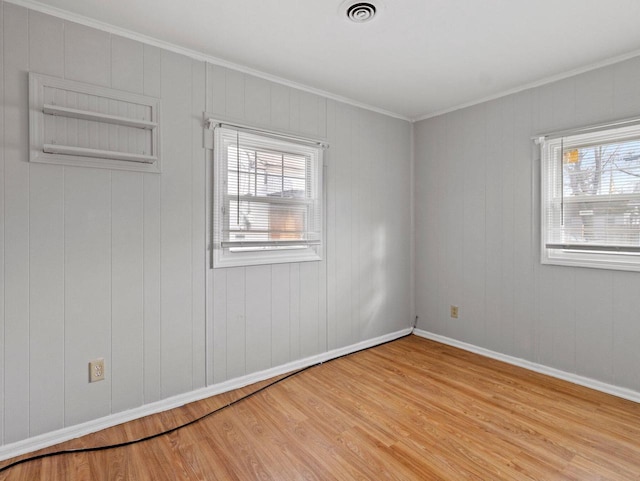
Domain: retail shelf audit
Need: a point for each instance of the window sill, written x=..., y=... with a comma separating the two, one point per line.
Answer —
x=224, y=258
x=619, y=262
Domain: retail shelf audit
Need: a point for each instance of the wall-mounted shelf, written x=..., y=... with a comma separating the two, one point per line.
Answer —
x=98, y=117
x=74, y=123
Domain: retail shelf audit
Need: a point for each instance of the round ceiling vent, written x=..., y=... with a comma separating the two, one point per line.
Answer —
x=360, y=12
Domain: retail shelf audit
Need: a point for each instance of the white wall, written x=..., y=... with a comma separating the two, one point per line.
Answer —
x=99, y=263
x=477, y=234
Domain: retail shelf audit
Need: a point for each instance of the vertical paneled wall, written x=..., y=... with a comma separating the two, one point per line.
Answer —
x=97, y=263
x=2, y=228
x=477, y=239
x=264, y=316
x=105, y=263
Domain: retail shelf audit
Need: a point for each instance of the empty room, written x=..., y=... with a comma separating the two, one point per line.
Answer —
x=319, y=240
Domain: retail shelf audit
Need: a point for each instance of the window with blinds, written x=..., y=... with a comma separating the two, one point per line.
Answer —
x=268, y=198
x=591, y=198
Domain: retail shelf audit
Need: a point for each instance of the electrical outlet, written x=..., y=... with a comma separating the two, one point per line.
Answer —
x=96, y=370
x=454, y=312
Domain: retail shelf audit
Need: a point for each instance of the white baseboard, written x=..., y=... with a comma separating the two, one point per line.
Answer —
x=621, y=392
x=65, y=434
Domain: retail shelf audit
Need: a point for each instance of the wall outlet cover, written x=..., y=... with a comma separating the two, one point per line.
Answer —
x=96, y=370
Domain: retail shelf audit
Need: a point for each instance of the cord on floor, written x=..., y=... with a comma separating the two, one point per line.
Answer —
x=189, y=423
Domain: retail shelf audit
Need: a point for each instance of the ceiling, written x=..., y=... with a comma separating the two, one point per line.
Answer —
x=416, y=58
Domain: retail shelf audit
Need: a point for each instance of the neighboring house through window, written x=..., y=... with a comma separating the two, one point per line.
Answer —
x=267, y=198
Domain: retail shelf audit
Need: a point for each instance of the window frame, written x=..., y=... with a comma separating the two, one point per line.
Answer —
x=551, y=147
x=286, y=252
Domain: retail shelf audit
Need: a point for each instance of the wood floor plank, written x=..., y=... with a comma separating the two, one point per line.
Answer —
x=412, y=409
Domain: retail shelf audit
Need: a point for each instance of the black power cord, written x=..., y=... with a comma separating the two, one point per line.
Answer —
x=189, y=423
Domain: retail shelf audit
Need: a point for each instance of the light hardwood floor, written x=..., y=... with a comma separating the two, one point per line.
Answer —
x=412, y=409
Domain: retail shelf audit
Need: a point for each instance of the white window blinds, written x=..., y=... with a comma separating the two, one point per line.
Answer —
x=591, y=198
x=269, y=197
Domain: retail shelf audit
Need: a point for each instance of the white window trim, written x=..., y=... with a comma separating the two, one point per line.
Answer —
x=549, y=144
x=222, y=256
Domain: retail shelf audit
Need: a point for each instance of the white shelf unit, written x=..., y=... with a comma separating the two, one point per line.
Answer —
x=74, y=123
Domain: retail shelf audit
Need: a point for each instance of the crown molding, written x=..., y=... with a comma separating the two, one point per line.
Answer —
x=89, y=22
x=532, y=85
x=194, y=54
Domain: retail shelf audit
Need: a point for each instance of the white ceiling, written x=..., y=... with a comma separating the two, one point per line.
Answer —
x=416, y=58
